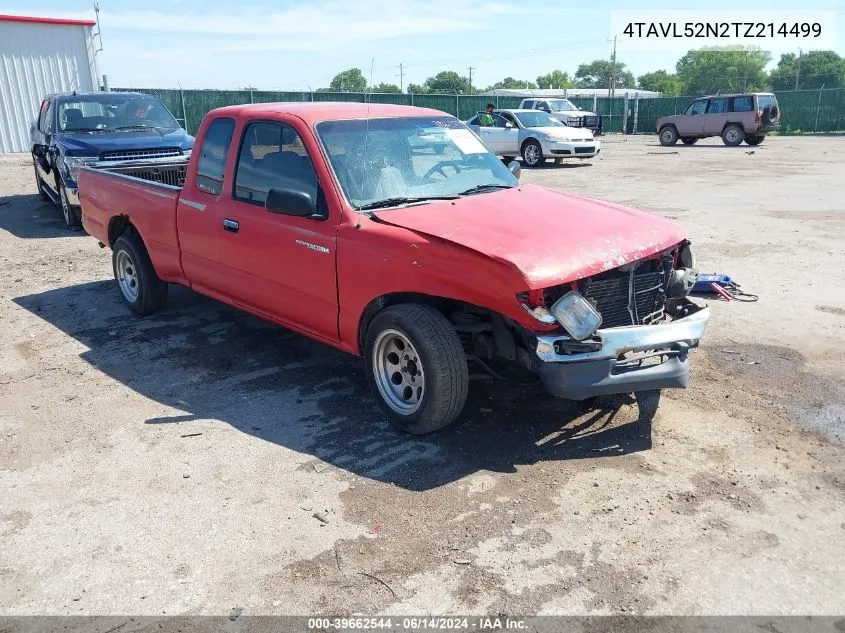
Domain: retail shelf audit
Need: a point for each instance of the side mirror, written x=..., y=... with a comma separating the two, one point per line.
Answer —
x=290, y=202
x=515, y=168
x=508, y=124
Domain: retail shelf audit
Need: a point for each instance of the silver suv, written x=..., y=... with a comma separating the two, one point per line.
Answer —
x=736, y=118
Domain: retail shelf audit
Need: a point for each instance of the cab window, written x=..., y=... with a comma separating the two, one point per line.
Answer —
x=273, y=156
x=42, y=115
x=697, y=107
x=213, y=153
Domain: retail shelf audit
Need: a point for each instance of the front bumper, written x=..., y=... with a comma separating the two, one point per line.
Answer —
x=571, y=149
x=620, y=360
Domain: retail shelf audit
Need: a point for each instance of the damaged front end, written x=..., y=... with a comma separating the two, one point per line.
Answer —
x=623, y=330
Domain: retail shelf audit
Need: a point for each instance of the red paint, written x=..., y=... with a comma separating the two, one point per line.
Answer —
x=483, y=250
x=35, y=20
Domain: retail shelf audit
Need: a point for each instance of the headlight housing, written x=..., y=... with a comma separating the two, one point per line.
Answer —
x=73, y=164
x=576, y=315
x=557, y=139
x=186, y=152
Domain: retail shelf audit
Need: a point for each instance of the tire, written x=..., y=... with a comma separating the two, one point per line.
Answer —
x=733, y=135
x=755, y=140
x=532, y=153
x=435, y=357
x=689, y=140
x=668, y=135
x=71, y=213
x=42, y=195
x=136, y=278
x=770, y=114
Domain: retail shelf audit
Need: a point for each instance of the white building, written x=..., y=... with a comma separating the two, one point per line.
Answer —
x=40, y=56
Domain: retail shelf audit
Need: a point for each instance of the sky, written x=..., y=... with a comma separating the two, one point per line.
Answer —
x=290, y=45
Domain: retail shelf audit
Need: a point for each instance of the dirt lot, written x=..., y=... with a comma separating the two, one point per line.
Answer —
x=175, y=464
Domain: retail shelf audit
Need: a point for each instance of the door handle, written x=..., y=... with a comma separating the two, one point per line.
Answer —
x=233, y=226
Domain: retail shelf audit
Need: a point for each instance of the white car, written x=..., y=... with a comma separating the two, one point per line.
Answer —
x=566, y=112
x=533, y=134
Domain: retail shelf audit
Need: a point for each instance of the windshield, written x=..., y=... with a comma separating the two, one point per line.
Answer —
x=562, y=105
x=537, y=118
x=109, y=113
x=389, y=162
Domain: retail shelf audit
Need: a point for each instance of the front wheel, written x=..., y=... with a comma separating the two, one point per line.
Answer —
x=42, y=195
x=668, y=136
x=142, y=289
x=416, y=367
x=70, y=212
x=754, y=140
x=532, y=153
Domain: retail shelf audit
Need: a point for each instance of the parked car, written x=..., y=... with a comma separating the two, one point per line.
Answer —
x=107, y=128
x=535, y=136
x=320, y=217
x=566, y=112
x=429, y=138
x=736, y=118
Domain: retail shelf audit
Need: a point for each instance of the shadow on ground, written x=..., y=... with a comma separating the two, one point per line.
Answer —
x=210, y=361
x=27, y=217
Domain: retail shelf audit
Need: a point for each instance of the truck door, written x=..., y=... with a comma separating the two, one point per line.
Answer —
x=277, y=264
x=40, y=137
x=692, y=123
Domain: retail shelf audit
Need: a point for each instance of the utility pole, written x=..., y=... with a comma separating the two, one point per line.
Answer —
x=745, y=74
x=470, y=78
x=798, y=69
x=613, y=70
x=401, y=77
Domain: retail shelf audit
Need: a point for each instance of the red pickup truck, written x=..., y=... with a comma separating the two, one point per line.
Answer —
x=334, y=220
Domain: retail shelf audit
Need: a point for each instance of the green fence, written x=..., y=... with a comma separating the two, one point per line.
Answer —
x=803, y=111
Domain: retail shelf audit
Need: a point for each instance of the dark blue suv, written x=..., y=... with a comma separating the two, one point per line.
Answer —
x=103, y=128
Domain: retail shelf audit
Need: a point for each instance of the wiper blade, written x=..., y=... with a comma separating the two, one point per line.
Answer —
x=480, y=188
x=135, y=127
x=83, y=129
x=395, y=202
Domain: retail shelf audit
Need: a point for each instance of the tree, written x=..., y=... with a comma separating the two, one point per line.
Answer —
x=249, y=87
x=383, y=87
x=446, y=81
x=351, y=80
x=510, y=82
x=711, y=70
x=597, y=74
x=661, y=81
x=555, y=79
x=813, y=70
x=416, y=89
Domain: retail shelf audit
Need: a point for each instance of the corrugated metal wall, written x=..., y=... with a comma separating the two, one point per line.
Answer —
x=37, y=59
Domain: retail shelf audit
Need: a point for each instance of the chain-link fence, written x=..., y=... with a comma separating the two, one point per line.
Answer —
x=803, y=111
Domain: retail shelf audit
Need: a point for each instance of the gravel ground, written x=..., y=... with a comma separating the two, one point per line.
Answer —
x=201, y=460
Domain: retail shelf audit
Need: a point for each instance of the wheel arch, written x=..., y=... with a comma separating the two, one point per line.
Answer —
x=441, y=304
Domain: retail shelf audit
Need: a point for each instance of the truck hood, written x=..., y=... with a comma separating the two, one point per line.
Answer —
x=94, y=143
x=549, y=236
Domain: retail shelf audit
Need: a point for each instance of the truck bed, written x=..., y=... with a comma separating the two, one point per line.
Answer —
x=143, y=193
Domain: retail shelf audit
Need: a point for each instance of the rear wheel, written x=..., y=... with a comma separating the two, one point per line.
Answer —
x=416, y=367
x=733, y=135
x=668, y=135
x=755, y=140
x=139, y=284
x=689, y=140
x=532, y=153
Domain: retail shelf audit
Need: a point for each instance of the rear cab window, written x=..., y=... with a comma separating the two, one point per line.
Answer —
x=743, y=104
x=213, y=154
x=528, y=105
x=764, y=101
x=273, y=156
